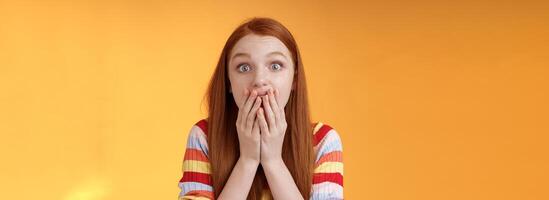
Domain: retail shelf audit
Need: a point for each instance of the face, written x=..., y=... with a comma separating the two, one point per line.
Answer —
x=260, y=63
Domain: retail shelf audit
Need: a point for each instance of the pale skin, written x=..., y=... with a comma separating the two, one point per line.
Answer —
x=261, y=72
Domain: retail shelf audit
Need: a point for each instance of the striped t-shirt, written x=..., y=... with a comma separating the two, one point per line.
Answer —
x=196, y=182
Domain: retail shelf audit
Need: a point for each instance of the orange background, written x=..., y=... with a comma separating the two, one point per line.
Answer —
x=432, y=99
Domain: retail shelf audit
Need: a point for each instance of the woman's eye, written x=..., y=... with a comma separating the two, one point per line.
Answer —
x=244, y=68
x=276, y=66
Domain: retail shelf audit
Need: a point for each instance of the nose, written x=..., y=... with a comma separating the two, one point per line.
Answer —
x=260, y=78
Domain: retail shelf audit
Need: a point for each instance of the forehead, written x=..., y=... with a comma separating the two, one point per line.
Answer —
x=259, y=45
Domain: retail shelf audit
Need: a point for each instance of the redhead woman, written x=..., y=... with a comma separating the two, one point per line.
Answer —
x=258, y=141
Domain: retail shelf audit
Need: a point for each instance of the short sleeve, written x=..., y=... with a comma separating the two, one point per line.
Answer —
x=328, y=169
x=196, y=181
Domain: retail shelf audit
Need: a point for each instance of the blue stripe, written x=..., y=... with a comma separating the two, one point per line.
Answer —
x=193, y=140
x=330, y=143
x=327, y=190
x=186, y=187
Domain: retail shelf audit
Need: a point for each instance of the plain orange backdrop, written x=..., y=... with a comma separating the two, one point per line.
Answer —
x=432, y=99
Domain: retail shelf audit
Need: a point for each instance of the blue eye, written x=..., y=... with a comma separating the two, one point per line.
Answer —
x=276, y=66
x=244, y=68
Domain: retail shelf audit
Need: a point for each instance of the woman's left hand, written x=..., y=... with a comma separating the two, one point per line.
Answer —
x=272, y=123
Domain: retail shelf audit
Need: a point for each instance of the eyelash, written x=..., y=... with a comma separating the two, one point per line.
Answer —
x=241, y=64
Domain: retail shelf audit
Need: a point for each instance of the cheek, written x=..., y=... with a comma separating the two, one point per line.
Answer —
x=243, y=99
x=283, y=98
x=284, y=88
x=238, y=97
x=237, y=90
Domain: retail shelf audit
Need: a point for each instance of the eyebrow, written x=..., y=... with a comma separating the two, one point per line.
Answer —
x=240, y=54
x=277, y=53
x=248, y=55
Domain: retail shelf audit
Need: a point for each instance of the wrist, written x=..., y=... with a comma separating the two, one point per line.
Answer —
x=248, y=162
x=274, y=162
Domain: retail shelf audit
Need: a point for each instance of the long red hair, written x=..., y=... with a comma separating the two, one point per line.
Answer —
x=297, y=150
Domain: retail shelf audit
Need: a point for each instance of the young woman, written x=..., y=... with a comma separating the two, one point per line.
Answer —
x=258, y=141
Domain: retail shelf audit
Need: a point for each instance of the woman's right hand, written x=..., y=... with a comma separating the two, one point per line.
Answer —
x=247, y=126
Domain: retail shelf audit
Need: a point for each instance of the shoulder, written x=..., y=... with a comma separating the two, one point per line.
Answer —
x=202, y=125
x=326, y=143
x=197, y=136
x=199, y=129
x=323, y=132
